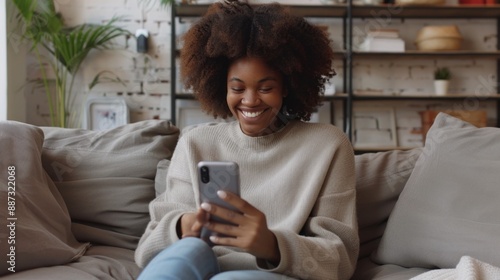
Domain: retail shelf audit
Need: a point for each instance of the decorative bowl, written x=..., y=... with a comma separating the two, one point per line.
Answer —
x=439, y=38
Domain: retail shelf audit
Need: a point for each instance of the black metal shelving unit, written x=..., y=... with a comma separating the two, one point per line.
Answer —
x=423, y=12
x=427, y=12
x=348, y=12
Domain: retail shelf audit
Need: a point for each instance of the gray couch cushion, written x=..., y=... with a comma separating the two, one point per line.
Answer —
x=99, y=262
x=449, y=207
x=380, y=178
x=36, y=226
x=107, y=178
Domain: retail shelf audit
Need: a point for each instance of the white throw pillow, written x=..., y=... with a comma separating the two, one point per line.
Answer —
x=450, y=205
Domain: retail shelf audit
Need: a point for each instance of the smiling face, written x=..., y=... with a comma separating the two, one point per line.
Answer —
x=255, y=95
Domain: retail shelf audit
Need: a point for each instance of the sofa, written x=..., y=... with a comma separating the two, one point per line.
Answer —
x=78, y=202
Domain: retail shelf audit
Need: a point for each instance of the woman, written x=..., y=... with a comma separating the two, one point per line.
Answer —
x=297, y=218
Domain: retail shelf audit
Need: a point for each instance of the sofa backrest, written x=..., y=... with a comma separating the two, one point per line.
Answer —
x=380, y=178
x=92, y=163
x=107, y=178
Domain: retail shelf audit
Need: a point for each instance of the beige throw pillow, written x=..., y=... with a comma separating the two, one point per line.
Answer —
x=107, y=178
x=380, y=178
x=449, y=208
x=36, y=227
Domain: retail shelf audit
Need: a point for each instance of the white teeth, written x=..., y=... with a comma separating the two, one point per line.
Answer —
x=251, y=114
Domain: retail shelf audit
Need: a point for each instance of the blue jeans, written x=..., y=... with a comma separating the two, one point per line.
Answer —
x=192, y=259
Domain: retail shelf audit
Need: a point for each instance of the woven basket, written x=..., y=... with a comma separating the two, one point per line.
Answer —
x=439, y=38
x=475, y=117
x=440, y=44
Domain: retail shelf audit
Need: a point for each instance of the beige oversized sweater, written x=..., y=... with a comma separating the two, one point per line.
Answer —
x=301, y=178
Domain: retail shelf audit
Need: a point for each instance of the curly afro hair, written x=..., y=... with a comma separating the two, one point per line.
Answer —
x=231, y=30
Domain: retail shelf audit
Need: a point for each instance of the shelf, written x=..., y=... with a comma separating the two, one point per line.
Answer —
x=335, y=52
x=364, y=11
x=339, y=10
x=185, y=96
x=425, y=97
x=337, y=96
x=437, y=11
x=418, y=54
x=320, y=10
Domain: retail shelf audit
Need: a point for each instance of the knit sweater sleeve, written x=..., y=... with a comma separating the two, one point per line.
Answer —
x=328, y=245
x=165, y=211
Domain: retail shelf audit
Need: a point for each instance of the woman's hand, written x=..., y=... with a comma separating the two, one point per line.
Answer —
x=250, y=231
x=191, y=223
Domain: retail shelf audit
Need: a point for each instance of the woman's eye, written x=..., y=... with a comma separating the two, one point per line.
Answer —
x=265, y=89
x=237, y=89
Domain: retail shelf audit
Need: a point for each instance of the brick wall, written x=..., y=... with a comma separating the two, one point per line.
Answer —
x=146, y=76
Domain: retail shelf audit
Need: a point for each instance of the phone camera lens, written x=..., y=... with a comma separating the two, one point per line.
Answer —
x=205, y=177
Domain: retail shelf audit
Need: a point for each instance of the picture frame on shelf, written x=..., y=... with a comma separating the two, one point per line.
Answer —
x=374, y=128
x=103, y=113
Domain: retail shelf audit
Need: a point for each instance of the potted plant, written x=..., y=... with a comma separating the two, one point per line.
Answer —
x=63, y=49
x=442, y=78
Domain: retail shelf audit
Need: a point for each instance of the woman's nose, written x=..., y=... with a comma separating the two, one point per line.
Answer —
x=250, y=98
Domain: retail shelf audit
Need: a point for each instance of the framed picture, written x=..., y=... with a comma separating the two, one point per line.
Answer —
x=104, y=113
x=374, y=127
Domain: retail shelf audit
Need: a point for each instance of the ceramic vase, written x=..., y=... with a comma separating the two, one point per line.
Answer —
x=441, y=87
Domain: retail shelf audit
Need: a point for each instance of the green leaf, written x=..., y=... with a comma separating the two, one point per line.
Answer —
x=442, y=74
x=101, y=77
x=72, y=45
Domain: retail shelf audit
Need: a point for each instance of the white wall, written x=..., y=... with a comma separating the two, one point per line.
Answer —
x=3, y=66
x=16, y=68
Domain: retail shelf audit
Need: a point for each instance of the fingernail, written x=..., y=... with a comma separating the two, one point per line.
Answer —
x=205, y=206
x=222, y=194
x=213, y=238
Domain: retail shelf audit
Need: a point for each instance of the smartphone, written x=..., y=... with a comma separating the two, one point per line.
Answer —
x=214, y=176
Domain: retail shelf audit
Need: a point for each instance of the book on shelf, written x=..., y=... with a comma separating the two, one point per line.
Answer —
x=376, y=44
x=383, y=33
